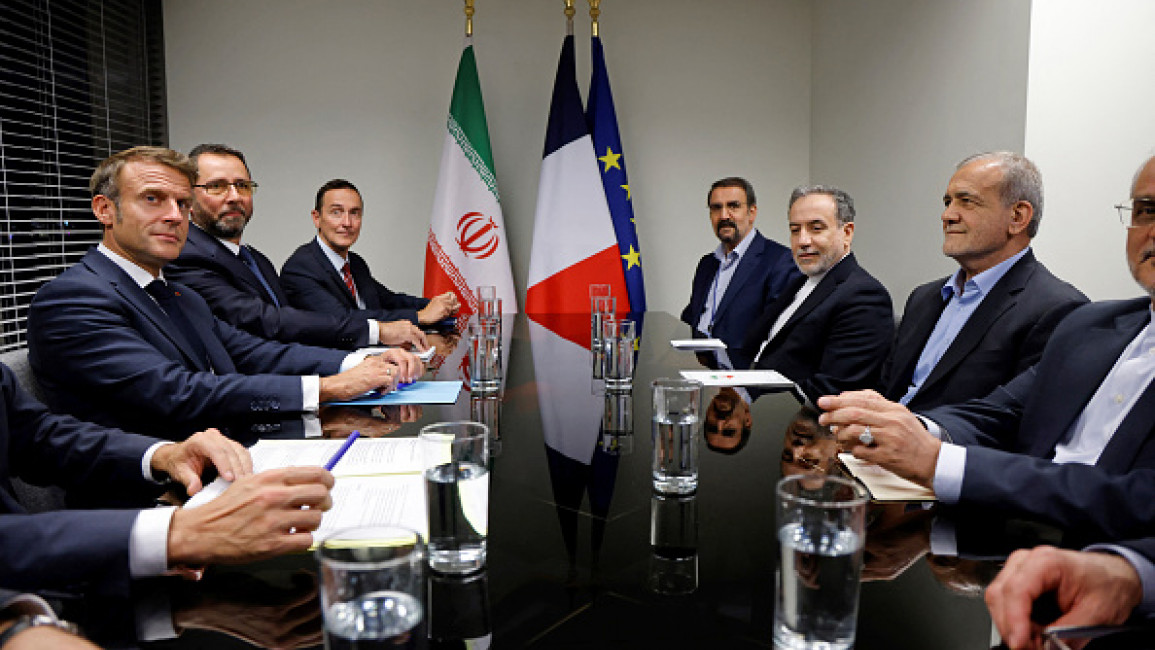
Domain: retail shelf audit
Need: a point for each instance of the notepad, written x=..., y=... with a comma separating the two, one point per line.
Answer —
x=883, y=484
x=379, y=480
x=422, y=392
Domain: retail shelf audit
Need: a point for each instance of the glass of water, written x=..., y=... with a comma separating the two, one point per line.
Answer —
x=821, y=531
x=373, y=587
x=676, y=422
x=618, y=340
x=455, y=456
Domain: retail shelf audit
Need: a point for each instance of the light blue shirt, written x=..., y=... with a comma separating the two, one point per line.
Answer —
x=728, y=265
x=960, y=305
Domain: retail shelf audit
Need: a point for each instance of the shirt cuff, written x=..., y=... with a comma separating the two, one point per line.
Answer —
x=948, y=472
x=1144, y=567
x=943, y=538
x=310, y=393
x=374, y=332
x=148, y=542
x=312, y=425
x=146, y=460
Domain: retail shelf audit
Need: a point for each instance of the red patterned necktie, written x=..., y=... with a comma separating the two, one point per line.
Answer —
x=349, y=280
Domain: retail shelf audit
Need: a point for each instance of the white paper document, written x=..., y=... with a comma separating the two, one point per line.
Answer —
x=768, y=378
x=698, y=344
x=379, y=480
x=883, y=484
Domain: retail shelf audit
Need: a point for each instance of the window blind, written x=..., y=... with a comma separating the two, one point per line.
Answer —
x=78, y=81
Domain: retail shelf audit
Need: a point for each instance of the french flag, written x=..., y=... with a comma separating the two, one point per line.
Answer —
x=574, y=244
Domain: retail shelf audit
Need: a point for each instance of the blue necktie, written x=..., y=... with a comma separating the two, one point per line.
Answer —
x=251, y=262
x=168, y=301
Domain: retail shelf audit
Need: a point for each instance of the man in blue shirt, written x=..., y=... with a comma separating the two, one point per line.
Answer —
x=963, y=335
x=744, y=274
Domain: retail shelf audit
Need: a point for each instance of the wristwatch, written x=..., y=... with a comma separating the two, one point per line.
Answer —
x=26, y=621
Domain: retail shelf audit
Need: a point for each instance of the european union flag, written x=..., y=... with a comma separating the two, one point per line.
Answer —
x=603, y=123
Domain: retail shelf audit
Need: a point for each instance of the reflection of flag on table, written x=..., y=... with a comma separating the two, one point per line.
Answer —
x=573, y=239
x=467, y=236
x=603, y=124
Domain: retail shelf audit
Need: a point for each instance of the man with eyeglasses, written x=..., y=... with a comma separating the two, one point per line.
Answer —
x=241, y=284
x=113, y=341
x=744, y=274
x=324, y=275
x=964, y=335
x=1071, y=440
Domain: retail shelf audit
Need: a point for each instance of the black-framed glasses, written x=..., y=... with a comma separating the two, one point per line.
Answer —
x=216, y=188
x=1139, y=213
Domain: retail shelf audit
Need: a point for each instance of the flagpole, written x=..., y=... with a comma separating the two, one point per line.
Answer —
x=468, y=18
x=594, y=13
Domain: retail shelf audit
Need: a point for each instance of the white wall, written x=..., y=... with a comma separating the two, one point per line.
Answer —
x=902, y=91
x=1090, y=122
x=360, y=89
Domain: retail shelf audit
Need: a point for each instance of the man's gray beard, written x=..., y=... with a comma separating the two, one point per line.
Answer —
x=214, y=228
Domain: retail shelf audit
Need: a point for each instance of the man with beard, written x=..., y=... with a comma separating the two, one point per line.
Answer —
x=829, y=330
x=1070, y=441
x=241, y=284
x=747, y=271
x=963, y=336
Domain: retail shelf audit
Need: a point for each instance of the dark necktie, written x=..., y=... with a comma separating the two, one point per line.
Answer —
x=251, y=262
x=348, y=275
x=170, y=303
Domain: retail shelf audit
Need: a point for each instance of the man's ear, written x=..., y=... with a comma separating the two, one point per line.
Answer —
x=1021, y=214
x=316, y=220
x=104, y=209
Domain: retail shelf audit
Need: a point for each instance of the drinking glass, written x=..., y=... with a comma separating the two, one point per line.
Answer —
x=455, y=457
x=676, y=423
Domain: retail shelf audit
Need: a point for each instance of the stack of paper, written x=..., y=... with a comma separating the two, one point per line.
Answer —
x=379, y=480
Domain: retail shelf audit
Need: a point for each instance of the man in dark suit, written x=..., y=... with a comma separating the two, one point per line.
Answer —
x=112, y=342
x=325, y=276
x=735, y=283
x=1099, y=586
x=830, y=329
x=241, y=284
x=1071, y=440
x=251, y=520
x=966, y=334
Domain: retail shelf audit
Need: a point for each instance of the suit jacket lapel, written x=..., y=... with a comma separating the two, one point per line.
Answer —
x=918, y=327
x=332, y=277
x=1133, y=431
x=1002, y=297
x=826, y=286
x=1079, y=376
x=746, y=267
x=364, y=282
x=107, y=270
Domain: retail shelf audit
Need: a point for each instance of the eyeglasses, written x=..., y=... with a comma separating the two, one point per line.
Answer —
x=1139, y=214
x=216, y=188
x=731, y=207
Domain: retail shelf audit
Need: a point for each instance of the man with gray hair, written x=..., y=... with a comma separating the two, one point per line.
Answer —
x=829, y=330
x=963, y=335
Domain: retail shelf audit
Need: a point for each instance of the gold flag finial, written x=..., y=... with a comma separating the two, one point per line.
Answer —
x=594, y=13
x=569, y=10
x=469, y=18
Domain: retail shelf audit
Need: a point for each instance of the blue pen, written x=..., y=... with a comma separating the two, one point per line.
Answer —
x=341, y=452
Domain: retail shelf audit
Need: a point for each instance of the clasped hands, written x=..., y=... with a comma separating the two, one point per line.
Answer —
x=898, y=440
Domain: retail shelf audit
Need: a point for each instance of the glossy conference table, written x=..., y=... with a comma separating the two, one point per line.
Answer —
x=571, y=563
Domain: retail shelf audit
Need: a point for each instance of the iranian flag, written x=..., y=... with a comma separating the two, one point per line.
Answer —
x=467, y=237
